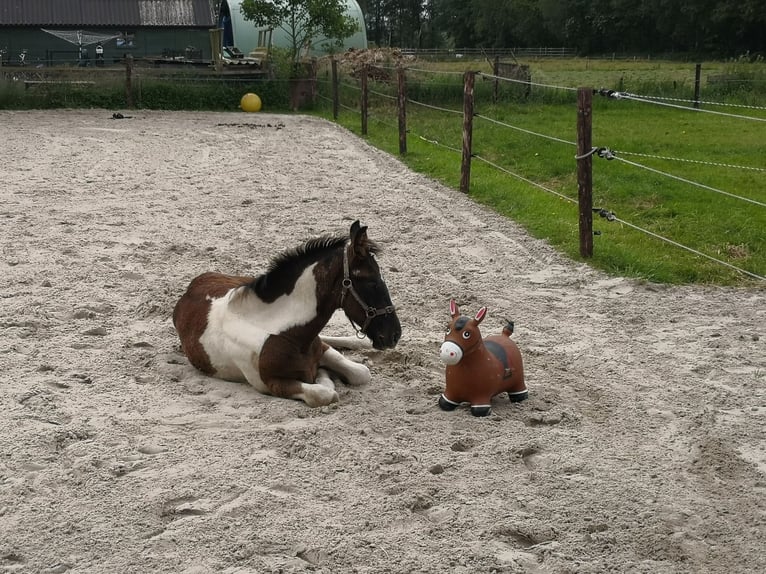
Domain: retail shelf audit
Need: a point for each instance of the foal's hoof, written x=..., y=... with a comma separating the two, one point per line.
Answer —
x=319, y=396
x=482, y=411
x=519, y=396
x=446, y=404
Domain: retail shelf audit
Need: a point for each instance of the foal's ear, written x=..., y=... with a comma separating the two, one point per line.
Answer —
x=359, y=240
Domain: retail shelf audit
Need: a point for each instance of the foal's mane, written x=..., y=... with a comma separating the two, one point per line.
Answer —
x=299, y=257
x=284, y=269
x=311, y=251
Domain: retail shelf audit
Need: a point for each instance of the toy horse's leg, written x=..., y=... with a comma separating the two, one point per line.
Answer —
x=447, y=405
x=518, y=396
x=351, y=372
x=481, y=410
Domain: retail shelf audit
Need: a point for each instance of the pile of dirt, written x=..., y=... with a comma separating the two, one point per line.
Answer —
x=380, y=62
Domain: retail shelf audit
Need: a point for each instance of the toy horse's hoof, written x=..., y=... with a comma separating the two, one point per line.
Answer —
x=447, y=405
x=519, y=396
x=481, y=411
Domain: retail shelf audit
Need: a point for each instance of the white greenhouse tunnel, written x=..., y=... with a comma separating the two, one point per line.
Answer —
x=247, y=37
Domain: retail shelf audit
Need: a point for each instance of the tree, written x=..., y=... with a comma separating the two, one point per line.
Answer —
x=303, y=21
x=456, y=19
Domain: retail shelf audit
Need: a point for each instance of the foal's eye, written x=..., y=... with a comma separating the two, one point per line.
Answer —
x=466, y=334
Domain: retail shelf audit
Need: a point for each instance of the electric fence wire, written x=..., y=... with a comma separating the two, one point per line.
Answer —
x=694, y=161
x=437, y=143
x=435, y=72
x=613, y=94
x=702, y=102
x=613, y=217
x=382, y=95
x=530, y=132
x=608, y=155
x=340, y=105
x=437, y=108
x=374, y=117
x=688, y=181
x=526, y=83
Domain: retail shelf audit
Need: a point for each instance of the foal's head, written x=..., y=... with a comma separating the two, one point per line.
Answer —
x=365, y=298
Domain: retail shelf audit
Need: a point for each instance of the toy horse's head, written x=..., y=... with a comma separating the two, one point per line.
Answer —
x=462, y=335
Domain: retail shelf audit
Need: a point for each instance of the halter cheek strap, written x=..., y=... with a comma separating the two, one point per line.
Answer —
x=370, y=312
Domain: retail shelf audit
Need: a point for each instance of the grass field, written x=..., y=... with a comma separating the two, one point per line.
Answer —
x=695, y=179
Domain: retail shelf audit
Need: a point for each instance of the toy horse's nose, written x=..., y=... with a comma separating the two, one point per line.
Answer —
x=450, y=353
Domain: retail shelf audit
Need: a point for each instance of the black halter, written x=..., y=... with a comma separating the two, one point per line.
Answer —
x=370, y=312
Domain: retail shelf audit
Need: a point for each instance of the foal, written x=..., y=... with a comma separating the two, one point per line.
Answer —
x=265, y=329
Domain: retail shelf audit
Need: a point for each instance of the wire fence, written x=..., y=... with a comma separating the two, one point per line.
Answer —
x=447, y=132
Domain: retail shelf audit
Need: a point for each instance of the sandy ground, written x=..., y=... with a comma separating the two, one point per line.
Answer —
x=642, y=447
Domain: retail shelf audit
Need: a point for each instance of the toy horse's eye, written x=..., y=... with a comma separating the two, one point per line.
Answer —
x=466, y=334
x=448, y=331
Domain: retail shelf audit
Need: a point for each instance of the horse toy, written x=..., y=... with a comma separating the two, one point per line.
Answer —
x=265, y=330
x=478, y=369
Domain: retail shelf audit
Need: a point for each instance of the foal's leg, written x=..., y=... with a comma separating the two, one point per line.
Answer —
x=313, y=394
x=351, y=342
x=351, y=372
x=324, y=379
x=284, y=367
x=251, y=374
x=316, y=395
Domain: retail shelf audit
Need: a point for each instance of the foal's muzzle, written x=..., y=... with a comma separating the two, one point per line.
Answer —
x=385, y=331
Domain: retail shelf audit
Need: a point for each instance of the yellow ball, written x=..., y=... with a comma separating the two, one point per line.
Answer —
x=250, y=103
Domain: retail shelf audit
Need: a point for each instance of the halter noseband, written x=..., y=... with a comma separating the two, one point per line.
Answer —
x=370, y=312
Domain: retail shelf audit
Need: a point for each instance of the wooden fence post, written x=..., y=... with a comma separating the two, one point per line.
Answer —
x=585, y=169
x=402, y=109
x=335, y=96
x=129, y=81
x=364, y=99
x=465, y=166
x=215, y=47
x=697, y=74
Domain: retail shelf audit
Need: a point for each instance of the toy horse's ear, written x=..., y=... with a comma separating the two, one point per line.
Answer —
x=453, y=310
x=480, y=314
x=359, y=241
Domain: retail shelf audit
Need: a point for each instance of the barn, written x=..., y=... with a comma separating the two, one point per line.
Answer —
x=67, y=32
x=246, y=37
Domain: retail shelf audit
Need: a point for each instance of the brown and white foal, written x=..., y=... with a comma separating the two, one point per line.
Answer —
x=265, y=329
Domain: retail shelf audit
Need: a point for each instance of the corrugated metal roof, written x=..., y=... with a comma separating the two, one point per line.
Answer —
x=128, y=13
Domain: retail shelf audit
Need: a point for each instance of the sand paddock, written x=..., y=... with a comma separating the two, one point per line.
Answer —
x=642, y=447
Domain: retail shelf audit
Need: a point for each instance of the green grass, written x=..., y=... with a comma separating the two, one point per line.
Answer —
x=715, y=224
